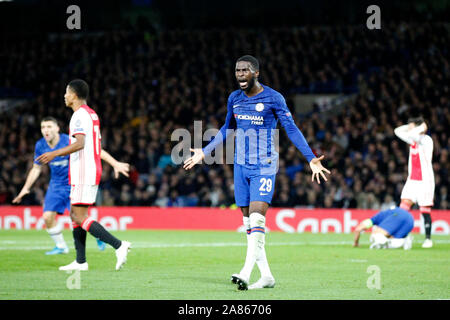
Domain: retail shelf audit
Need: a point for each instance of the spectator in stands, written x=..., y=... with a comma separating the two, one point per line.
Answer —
x=147, y=91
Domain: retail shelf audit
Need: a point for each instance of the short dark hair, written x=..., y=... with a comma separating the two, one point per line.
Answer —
x=416, y=120
x=49, y=119
x=253, y=61
x=80, y=87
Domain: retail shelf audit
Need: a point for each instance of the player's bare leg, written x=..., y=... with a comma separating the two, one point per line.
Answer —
x=426, y=214
x=55, y=231
x=80, y=217
x=406, y=204
x=82, y=224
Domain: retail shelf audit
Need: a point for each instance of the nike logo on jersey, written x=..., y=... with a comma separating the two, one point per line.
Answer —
x=235, y=106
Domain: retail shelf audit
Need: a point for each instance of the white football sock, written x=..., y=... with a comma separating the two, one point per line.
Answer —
x=246, y=222
x=378, y=240
x=57, y=236
x=395, y=243
x=255, y=246
x=261, y=261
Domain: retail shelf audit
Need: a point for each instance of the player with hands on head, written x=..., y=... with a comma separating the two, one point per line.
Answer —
x=420, y=184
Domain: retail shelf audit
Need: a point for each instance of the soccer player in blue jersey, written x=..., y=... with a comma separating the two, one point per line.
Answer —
x=253, y=113
x=57, y=198
x=390, y=229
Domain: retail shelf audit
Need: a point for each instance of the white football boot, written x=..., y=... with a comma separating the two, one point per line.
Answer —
x=408, y=242
x=263, y=282
x=75, y=266
x=378, y=241
x=122, y=253
x=428, y=243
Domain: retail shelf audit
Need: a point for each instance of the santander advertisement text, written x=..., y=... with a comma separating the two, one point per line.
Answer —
x=192, y=218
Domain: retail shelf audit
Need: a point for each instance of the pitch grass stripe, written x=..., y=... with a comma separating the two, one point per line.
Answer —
x=144, y=245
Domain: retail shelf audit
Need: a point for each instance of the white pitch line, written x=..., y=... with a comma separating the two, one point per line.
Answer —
x=144, y=245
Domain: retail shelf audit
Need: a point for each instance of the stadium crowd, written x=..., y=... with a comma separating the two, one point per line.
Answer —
x=145, y=85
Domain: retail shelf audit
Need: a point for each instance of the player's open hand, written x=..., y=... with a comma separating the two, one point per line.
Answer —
x=19, y=197
x=46, y=157
x=194, y=159
x=317, y=168
x=121, y=168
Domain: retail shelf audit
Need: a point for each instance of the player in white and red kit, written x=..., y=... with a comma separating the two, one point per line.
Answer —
x=419, y=187
x=85, y=170
x=85, y=167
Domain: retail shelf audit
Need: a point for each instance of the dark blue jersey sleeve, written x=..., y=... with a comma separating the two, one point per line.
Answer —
x=295, y=135
x=221, y=136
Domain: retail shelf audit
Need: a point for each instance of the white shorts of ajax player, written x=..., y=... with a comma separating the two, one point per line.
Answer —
x=83, y=194
x=420, y=192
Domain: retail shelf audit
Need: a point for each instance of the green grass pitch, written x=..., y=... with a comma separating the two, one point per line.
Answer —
x=197, y=265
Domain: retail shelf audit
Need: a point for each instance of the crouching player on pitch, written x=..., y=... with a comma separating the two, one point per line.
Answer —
x=390, y=229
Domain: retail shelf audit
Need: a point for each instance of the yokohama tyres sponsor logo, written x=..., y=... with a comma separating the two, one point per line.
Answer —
x=277, y=219
x=249, y=117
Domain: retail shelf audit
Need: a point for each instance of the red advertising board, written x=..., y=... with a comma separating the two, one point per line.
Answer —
x=192, y=218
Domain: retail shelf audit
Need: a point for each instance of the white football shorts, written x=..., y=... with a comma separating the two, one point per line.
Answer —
x=83, y=194
x=420, y=192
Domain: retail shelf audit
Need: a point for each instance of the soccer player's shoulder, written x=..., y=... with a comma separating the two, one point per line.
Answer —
x=64, y=137
x=40, y=143
x=427, y=139
x=81, y=114
x=274, y=94
x=234, y=94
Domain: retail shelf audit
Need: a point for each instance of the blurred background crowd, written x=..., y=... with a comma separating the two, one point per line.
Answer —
x=144, y=84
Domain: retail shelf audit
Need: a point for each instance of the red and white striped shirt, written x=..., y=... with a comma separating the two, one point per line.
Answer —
x=85, y=166
x=420, y=166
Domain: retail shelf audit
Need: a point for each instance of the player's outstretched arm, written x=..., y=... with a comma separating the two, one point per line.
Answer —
x=31, y=179
x=317, y=169
x=71, y=148
x=194, y=159
x=366, y=224
x=119, y=167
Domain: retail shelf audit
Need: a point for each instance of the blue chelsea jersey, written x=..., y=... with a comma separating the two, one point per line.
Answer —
x=59, y=167
x=382, y=215
x=254, y=119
